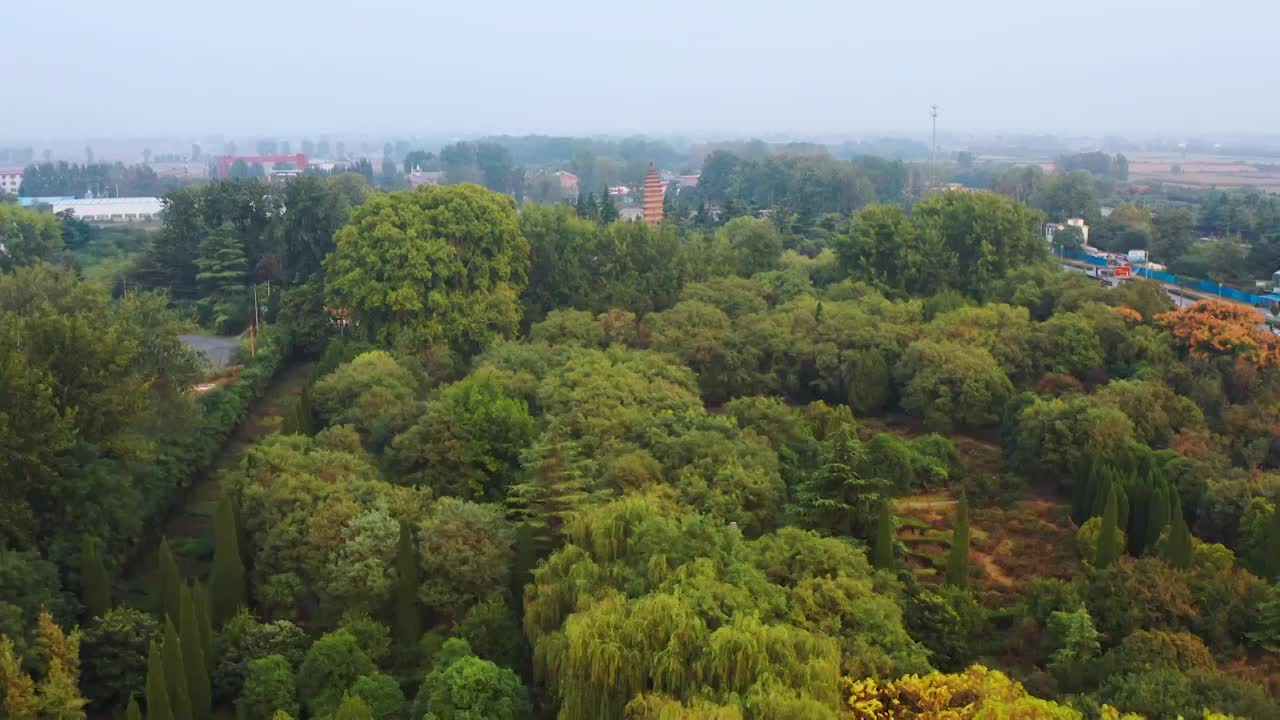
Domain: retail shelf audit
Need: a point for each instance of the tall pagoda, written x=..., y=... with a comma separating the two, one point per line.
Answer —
x=652, y=197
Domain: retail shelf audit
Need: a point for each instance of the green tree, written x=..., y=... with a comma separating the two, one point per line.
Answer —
x=607, y=211
x=950, y=385
x=27, y=236
x=222, y=268
x=958, y=557
x=114, y=656
x=442, y=264
x=95, y=584
x=226, y=578
x=1177, y=549
x=175, y=673
x=1109, y=543
x=352, y=708
x=1158, y=512
x=200, y=595
x=193, y=658
x=1077, y=647
x=158, y=705
x=1068, y=195
x=882, y=554
x=332, y=664
x=1171, y=234
x=755, y=245
x=1068, y=238
x=465, y=553
x=462, y=686
x=408, y=615
x=268, y=689
x=170, y=582
x=133, y=712
x=381, y=693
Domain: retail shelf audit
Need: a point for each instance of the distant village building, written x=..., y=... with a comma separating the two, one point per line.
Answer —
x=10, y=181
x=568, y=183
x=687, y=181
x=126, y=209
x=652, y=197
x=426, y=177
x=224, y=163
x=1051, y=229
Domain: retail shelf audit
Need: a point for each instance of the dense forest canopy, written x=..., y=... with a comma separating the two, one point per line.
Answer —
x=819, y=445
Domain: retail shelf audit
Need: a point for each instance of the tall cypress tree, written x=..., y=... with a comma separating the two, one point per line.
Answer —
x=1102, y=492
x=958, y=558
x=1157, y=515
x=1271, y=539
x=95, y=584
x=132, y=712
x=170, y=583
x=608, y=212
x=200, y=595
x=408, y=614
x=1109, y=536
x=175, y=673
x=1177, y=551
x=1082, y=498
x=193, y=658
x=158, y=705
x=226, y=579
x=882, y=555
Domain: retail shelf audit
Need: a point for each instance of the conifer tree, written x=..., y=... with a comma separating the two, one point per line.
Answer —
x=200, y=595
x=193, y=658
x=1271, y=539
x=133, y=712
x=408, y=614
x=555, y=491
x=158, y=705
x=608, y=212
x=1109, y=536
x=958, y=559
x=175, y=673
x=1157, y=515
x=170, y=582
x=1102, y=492
x=226, y=579
x=95, y=584
x=883, y=552
x=1082, y=497
x=1177, y=551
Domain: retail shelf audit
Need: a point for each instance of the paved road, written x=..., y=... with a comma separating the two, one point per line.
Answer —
x=218, y=350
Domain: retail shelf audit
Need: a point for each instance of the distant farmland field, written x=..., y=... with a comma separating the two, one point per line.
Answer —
x=1207, y=172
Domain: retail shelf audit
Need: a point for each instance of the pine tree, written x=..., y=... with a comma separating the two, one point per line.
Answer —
x=580, y=207
x=175, y=673
x=158, y=705
x=1108, y=536
x=226, y=579
x=193, y=658
x=223, y=269
x=1157, y=515
x=95, y=583
x=608, y=212
x=170, y=582
x=200, y=595
x=1177, y=551
x=556, y=490
x=883, y=552
x=408, y=614
x=133, y=712
x=958, y=558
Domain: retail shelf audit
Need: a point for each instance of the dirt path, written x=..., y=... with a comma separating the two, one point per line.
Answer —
x=189, y=528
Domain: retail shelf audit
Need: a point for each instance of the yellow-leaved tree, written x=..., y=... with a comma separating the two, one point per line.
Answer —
x=57, y=695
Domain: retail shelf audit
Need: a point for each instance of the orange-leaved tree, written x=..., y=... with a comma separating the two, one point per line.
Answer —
x=1213, y=328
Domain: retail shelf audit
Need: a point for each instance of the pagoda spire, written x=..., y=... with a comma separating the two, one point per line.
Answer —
x=652, y=197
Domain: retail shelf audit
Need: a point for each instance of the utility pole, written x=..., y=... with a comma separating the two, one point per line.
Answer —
x=933, y=149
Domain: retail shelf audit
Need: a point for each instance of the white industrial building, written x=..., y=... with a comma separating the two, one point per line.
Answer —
x=126, y=209
x=10, y=181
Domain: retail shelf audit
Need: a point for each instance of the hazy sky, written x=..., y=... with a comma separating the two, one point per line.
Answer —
x=291, y=67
